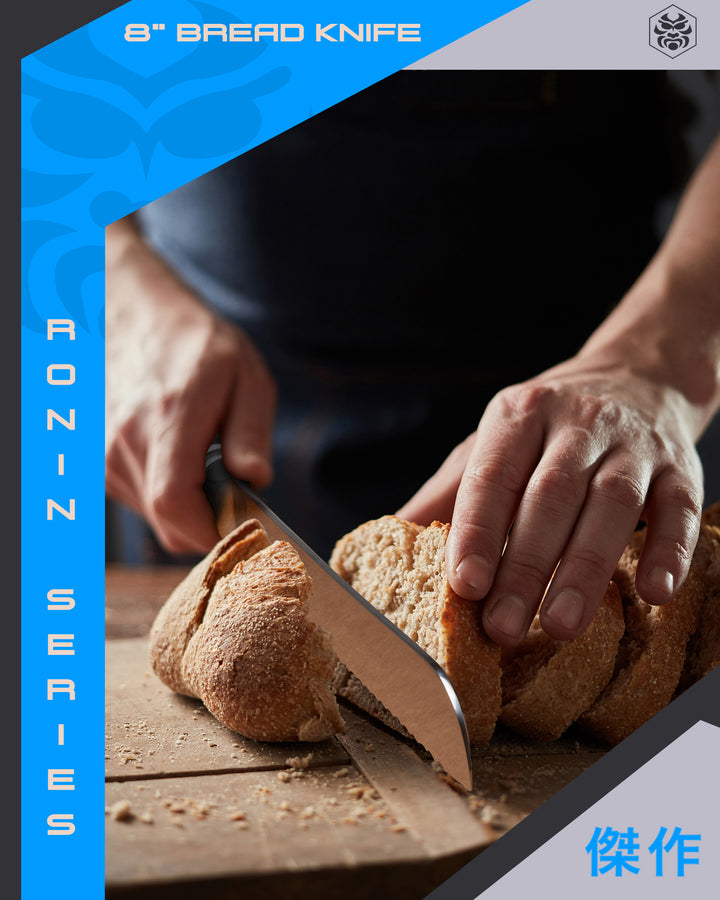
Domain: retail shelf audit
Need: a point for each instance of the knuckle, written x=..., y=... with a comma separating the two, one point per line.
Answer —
x=531, y=571
x=594, y=565
x=619, y=487
x=163, y=503
x=494, y=471
x=560, y=486
x=169, y=402
x=683, y=495
x=519, y=401
x=476, y=537
x=673, y=550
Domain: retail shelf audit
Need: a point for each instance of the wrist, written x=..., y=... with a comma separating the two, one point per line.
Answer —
x=667, y=331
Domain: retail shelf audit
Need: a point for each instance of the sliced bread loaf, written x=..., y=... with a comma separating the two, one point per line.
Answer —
x=547, y=684
x=651, y=655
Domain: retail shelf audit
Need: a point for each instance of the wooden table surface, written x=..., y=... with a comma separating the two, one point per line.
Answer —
x=193, y=807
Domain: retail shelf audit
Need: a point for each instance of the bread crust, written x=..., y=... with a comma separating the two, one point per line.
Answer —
x=183, y=611
x=652, y=651
x=399, y=567
x=256, y=661
x=235, y=634
x=547, y=684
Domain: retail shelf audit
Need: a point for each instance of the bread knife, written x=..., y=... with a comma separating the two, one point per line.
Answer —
x=411, y=684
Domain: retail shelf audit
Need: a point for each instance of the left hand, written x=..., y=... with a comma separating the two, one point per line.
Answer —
x=571, y=459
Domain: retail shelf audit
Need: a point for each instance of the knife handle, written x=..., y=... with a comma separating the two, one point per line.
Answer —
x=224, y=493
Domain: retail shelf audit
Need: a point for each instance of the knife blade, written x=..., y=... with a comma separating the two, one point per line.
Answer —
x=408, y=682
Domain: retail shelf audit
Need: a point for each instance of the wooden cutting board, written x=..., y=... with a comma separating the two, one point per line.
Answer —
x=193, y=807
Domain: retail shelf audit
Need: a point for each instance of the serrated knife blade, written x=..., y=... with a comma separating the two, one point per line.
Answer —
x=411, y=684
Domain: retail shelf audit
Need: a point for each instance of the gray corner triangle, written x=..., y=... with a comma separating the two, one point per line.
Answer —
x=701, y=703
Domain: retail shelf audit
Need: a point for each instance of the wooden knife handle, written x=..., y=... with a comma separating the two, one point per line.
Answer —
x=224, y=493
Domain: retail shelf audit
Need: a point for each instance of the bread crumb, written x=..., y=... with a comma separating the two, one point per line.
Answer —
x=121, y=811
x=236, y=815
x=147, y=818
x=299, y=762
x=308, y=812
x=341, y=773
x=283, y=776
x=360, y=792
x=241, y=825
x=398, y=828
x=492, y=817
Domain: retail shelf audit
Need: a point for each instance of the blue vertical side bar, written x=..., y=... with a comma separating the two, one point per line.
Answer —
x=107, y=126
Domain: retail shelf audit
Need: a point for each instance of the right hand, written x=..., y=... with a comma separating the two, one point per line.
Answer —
x=176, y=376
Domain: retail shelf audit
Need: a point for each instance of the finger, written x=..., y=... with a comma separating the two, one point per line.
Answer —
x=436, y=498
x=175, y=502
x=123, y=470
x=119, y=490
x=673, y=513
x=247, y=431
x=118, y=481
x=615, y=499
x=544, y=522
x=176, y=505
x=502, y=459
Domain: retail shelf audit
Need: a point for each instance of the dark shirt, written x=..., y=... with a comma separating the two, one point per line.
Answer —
x=406, y=254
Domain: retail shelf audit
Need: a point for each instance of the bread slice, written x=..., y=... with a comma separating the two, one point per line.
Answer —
x=703, y=650
x=547, y=684
x=711, y=515
x=651, y=655
x=399, y=567
x=235, y=633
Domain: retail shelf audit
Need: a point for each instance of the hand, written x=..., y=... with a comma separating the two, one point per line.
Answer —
x=571, y=460
x=176, y=376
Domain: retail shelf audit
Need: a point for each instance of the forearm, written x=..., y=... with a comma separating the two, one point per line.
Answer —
x=176, y=376
x=667, y=328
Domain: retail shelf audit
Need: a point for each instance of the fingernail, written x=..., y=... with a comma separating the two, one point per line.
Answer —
x=474, y=571
x=509, y=615
x=662, y=579
x=567, y=609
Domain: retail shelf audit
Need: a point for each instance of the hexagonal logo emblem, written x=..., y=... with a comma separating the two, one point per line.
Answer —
x=673, y=31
